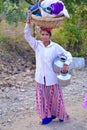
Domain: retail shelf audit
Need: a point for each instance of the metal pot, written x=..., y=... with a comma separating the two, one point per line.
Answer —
x=58, y=63
x=64, y=79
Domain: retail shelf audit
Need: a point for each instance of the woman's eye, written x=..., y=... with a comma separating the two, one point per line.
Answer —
x=42, y=34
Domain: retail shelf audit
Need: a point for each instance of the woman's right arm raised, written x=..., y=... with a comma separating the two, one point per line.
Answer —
x=27, y=34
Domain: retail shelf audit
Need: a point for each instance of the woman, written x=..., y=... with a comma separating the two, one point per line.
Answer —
x=49, y=97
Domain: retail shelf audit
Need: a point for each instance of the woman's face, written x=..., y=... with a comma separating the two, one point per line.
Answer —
x=45, y=36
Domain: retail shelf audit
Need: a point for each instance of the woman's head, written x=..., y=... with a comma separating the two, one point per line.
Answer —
x=48, y=30
x=45, y=34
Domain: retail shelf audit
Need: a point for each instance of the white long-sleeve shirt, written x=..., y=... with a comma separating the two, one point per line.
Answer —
x=45, y=57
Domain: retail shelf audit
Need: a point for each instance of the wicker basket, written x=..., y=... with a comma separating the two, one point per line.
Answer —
x=48, y=22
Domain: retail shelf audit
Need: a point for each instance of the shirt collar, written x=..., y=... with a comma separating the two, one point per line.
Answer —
x=51, y=44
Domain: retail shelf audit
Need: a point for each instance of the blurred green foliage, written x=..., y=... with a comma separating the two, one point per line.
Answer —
x=14, y=10
x=72, y=34
x=10, y=47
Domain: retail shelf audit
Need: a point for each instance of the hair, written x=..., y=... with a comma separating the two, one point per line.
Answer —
x=49, y=32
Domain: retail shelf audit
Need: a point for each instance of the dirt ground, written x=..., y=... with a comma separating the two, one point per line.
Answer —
x=30, y=121
x=73, y=95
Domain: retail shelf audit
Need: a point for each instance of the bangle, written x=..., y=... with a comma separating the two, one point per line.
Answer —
x=28, y=21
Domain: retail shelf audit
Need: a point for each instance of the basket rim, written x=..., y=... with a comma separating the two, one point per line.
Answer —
x=39, y=18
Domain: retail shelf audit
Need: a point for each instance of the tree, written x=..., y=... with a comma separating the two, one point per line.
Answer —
x=73, y=34
x=13, y=10
x=75, y=28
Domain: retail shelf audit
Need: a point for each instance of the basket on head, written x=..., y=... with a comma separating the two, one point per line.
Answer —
x=47, y=22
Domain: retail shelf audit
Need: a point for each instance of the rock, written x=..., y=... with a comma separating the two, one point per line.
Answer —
x=22, y=90
x=77, y=63
x=1, y=112
x=7, y=89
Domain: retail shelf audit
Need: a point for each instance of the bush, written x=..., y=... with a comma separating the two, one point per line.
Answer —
x=73, y=34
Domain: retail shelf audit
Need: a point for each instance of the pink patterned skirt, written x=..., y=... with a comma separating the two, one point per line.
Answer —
x=49, y=101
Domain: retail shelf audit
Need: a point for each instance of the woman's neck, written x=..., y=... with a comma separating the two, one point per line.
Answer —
x=46, y=43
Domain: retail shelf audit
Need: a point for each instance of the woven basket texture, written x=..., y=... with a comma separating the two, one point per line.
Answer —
x=48, y=22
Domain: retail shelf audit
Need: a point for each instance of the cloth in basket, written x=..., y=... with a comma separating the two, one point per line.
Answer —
x=53, y=8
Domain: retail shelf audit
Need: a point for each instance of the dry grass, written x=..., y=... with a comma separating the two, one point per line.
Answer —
x=12, y=40
x=12, y=31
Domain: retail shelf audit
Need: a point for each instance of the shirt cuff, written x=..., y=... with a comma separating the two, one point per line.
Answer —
x=67, y=62
x=27, y=25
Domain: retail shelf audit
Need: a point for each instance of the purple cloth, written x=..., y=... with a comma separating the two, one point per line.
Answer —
x=85, y=101
x=56, y=8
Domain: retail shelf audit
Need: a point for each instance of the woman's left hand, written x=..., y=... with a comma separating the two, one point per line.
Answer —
x=65, y=68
